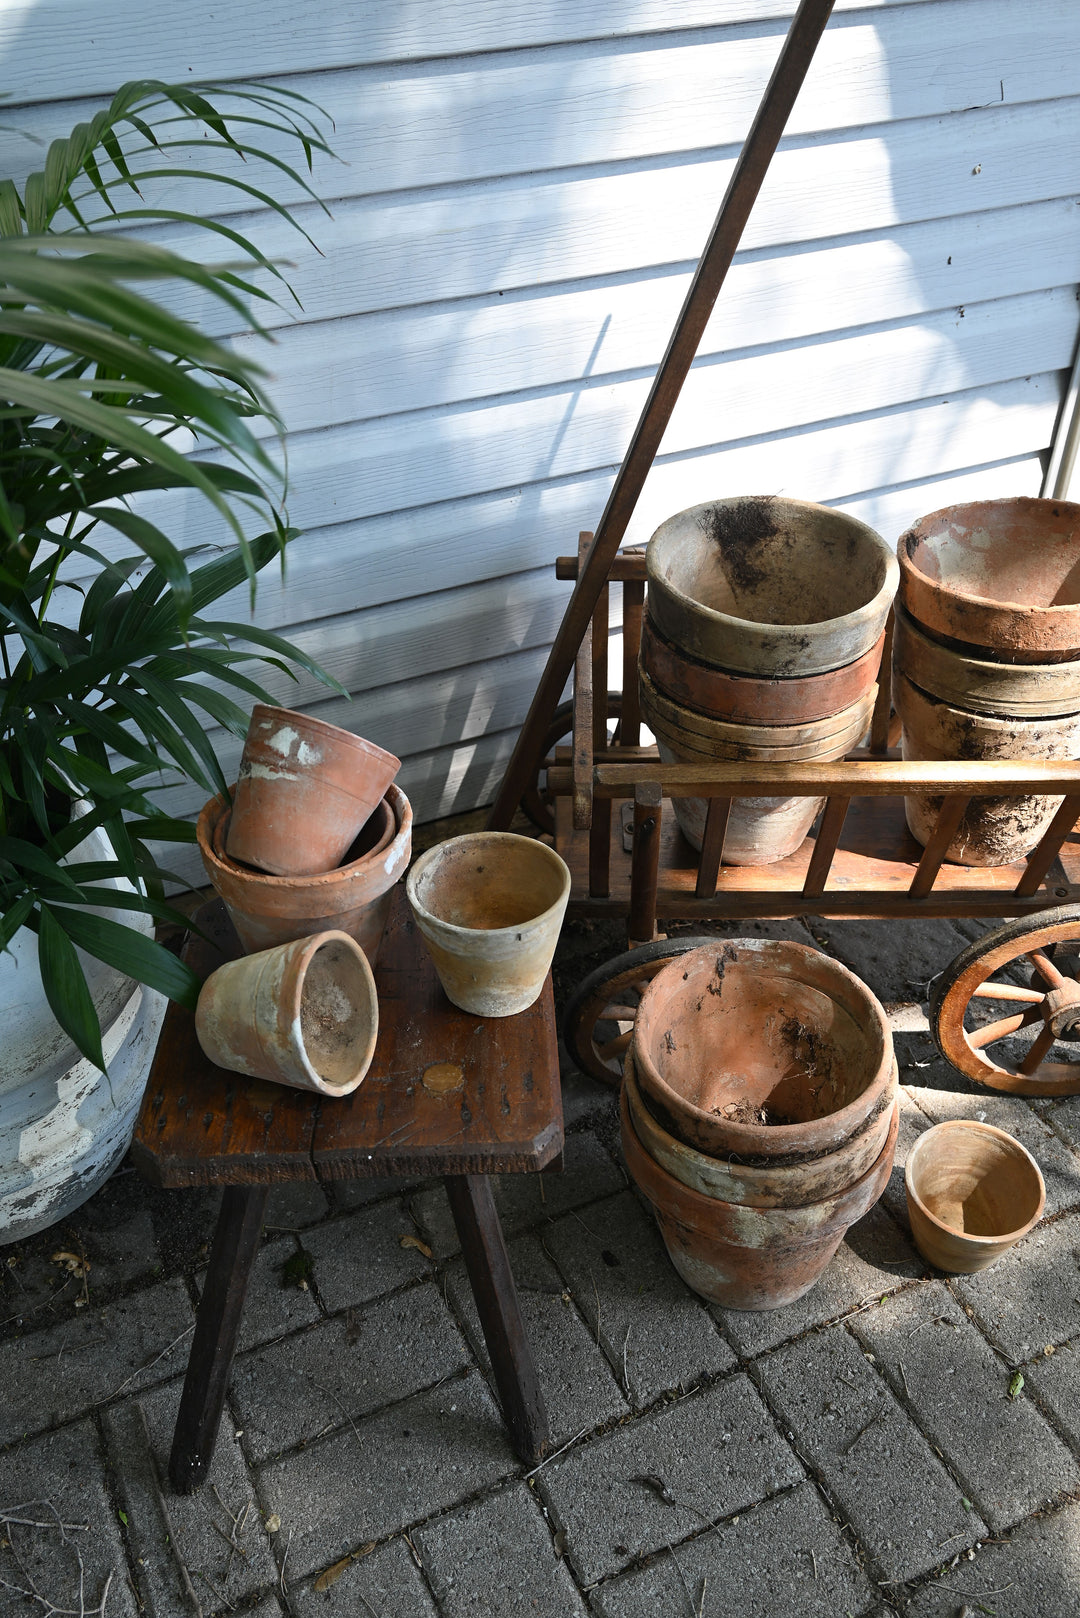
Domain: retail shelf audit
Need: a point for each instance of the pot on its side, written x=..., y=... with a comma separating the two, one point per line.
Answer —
x=303, y=1014
x=994, y=831
x=304, y=791
x=776, y=1184
x=749, y=1026
x=751, y=1258
x=769, y=587
x=354, y=899
x=490, y=906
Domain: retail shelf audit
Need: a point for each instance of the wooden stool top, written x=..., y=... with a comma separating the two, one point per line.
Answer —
x=446, y=1093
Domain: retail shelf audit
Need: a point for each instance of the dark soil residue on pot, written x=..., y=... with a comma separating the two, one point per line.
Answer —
x=738, y=531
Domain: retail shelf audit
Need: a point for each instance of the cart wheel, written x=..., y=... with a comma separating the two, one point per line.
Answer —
x=1047, y=1000
x=598, y=1023
x=536, y=801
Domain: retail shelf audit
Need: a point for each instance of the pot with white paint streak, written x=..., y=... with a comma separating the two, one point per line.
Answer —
x=304, y=1014
x=65, y=1125
x=304, y=791
x=354, y=898
x=490, y=906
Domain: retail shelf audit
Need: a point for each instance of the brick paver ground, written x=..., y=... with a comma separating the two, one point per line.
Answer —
x=859, y=1453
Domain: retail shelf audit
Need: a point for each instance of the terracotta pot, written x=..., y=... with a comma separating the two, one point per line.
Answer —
x=490, y=906
x=304, y=1014
x=771, y=1184
x=769, y=587
x=353, y=899
x=751, y=1258
x=304, y=791
x=721, y=738
x=994, y=831
x=746, y=700
x=948, y=671
x=760, y=831
x=972, y=1193
x=1003, y=574
x=763, y=1049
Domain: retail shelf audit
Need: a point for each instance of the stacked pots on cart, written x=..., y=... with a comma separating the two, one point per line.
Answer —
x=762, y=641
x=986, y=657
x=759, y=1114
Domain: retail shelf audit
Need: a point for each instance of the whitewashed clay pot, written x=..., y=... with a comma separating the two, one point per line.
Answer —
x=304, y=1014
x=489, y=907
x=305, y=789
x=64, y=1125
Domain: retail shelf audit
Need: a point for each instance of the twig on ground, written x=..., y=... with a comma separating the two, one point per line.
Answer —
x=151, y=1363
x=556, y=1453
x=166, y=1516
x=864, y=1429
x=284, y=1560
x=682, y=1581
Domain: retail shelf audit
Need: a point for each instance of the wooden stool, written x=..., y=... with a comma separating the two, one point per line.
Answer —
x=447, y=1093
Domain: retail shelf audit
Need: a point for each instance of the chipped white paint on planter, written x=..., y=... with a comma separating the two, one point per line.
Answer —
x=64, y=1125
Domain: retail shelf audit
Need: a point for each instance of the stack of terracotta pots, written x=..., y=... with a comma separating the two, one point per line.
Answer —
x=987, y=657
x=305, y=859
x=762, y=641
x=759, y=1114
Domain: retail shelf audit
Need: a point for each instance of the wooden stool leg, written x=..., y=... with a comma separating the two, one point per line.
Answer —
x=486, y=1260
x=217, y=1325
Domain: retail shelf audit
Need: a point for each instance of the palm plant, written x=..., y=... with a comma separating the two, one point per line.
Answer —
x=111, y=670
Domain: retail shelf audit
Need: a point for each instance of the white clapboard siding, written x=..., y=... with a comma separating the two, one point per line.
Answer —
x=525, y=193
x=612, y=101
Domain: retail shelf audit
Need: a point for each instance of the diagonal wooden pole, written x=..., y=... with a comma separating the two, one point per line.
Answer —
x=750, y=170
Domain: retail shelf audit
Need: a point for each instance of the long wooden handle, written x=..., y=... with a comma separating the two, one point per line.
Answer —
x=750, y=170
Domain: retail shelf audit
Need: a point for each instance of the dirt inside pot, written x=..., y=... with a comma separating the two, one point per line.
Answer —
x=335, y=1013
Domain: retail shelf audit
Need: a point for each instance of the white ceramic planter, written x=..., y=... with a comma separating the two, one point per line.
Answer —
x=64, y=1125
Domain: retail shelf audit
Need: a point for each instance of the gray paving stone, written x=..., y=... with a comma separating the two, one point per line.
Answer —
x=1059, y=1164
x=350, y=1194
x=273, y=1307
x=649, y=1321
x=586, y=1101
x=1036, y=1574
x=715, y=1452
x=295, y=1204
x=896, y=959
x=578, y=1386
x=526, y=1200
x=121, y=1255
x=392, y=1469
x=51, y=1375
x=784, y=1556
x=345, y=1368
x=874, y=1258
x=60, y=1476
x=1031, y=1296
x=1005, y=1454
x=360, y=1257
x=1054, y=1379
x=900, y=1500
x=226, y=1505
x=386, y=1582
x=496, y=1559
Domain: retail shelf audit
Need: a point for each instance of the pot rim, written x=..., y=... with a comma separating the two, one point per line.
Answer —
x=336, y=733
x=816, y=631
x=973, y=1126
x=1006, y=723
x=844, y=1119
x=987, y=604
x=396, y=849
x=312, y=945
x=539, y=921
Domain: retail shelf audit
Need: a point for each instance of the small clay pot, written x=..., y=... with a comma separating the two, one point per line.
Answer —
x=490, y=906
x=304, y=791
x=994, y=831
x=747, y=700
x=972, y=1193
x=303, y=1014
x=751, y=1258
x=1004, y=574
x=769, y=587
x=268, y=910
x=967, y=680
x=761, y=1048
x=772, y=1184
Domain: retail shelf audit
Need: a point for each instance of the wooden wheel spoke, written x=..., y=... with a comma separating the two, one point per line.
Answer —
x=617, y=1046
x=618, y=1014
x=1043, y=1042
x=979, y=1038
x=1007, y=991
x=1046, y=967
